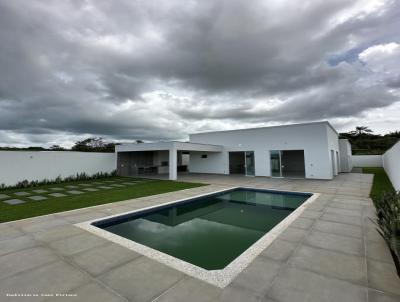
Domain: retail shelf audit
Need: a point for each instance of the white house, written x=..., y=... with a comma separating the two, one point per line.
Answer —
x=309, y=150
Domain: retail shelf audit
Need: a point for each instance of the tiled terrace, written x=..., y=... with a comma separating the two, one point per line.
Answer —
x=331, y=253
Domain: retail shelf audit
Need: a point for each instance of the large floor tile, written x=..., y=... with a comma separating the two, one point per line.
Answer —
x=142, y=279
x=378, y=296
x=23, y=260
x=347, y=206
x=53, y=278
x=337, y=243
x=77, y=217
x=378, y=250
x=303, y=286
x=233, y=293
x=279, y=250
x=101, y=259
x=192, y=290
x=302, y=223
x=91, y=292
x=258, y=276
x=293, y=234
x=330, y=263
x=16, y=244
x=344, y=212
x=46, y=223
x=311, y=214
x=334, y=217
x=78, y=243
x=8, y=232
x=383, y=276
x=338, y=228
x=57, y=233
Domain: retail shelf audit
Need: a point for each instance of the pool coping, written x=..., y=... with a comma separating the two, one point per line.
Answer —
x=220, y=278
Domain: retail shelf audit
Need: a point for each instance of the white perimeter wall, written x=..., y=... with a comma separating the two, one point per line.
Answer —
x=391, y=163
x=367, y=161
x=16, y=166
x=346, y=164
x=312, y=138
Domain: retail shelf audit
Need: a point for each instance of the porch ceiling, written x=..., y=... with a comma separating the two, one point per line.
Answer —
x=159, y=146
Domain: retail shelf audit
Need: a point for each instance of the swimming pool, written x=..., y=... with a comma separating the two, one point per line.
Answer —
x=206, y=233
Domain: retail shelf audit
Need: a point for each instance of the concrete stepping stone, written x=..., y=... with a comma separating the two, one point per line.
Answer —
x=21, y=193
x=109, y=181
x=75, y=192
x=57, y=189
x=37, y=197
x=13, y=201
x=85, y=185
x=117, y=185
x=97, y=183
x=57, y=195
x=128, y=183
x=71, y=187
x=90, y=189
x=2, y=196
x=40, y=191
x=104, y=187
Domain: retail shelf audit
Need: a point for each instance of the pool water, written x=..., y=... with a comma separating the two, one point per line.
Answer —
x=209, y=232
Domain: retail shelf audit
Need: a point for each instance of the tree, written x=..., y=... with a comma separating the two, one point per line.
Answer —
x=93, y=144
x=56, y=148
x=34, y=148
x=360, y=130
x=363, y=141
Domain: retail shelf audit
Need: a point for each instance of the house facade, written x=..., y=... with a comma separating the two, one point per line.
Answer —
x=309, y=150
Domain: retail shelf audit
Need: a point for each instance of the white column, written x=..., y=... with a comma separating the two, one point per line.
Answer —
x=173, y=169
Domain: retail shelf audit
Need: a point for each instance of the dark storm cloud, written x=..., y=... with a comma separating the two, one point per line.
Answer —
x=160, y=69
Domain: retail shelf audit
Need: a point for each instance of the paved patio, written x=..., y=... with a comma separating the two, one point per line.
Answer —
x=331, y=253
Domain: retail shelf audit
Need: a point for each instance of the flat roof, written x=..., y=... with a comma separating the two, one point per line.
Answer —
x=168, y=145
x=269, y=127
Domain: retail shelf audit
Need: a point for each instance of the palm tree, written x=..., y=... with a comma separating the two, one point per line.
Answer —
x=360, y=130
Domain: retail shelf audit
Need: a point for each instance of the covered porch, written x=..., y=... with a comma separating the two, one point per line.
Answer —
x=158, y=159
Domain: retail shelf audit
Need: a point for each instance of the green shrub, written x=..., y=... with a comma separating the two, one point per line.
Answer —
x=388, y=221
x=78, y=177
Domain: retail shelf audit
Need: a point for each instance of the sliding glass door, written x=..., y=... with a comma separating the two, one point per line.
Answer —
x=249, y=163
x=276, y=166
x=287, y=163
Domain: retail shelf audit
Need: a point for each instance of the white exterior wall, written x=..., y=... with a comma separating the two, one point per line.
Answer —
x=315, y=139
x=333, y=145
x=367, y=161
x=215, y=163
x=16, y=166
x=391, y=163
x=346, y=164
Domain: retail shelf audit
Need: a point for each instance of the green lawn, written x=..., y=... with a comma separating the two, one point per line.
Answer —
x=381, y=182
x=53, y=205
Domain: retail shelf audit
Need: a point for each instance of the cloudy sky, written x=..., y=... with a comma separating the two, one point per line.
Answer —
x=158, y=70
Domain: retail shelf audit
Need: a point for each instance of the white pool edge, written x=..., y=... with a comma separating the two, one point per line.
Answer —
x=219, y=278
